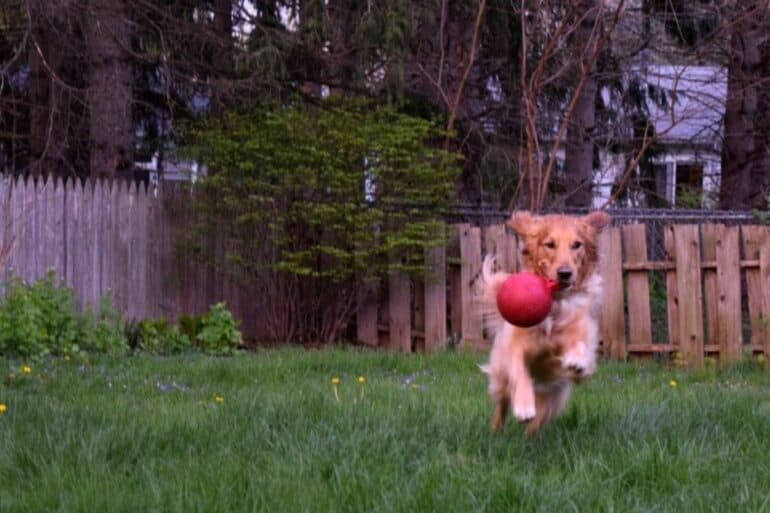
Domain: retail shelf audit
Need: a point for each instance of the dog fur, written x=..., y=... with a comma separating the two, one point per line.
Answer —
x=532, y=370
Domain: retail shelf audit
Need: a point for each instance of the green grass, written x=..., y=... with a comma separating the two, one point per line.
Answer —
x=145, y=434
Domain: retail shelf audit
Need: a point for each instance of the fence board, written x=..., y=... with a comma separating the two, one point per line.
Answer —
x=613, y=326
x=470, y=266
x=31, y=212
x=110, y=237
x=122, y=238
x=108, y=227
x=55, y=232
x=39, y=251
x=68, y=229
x=140, y=250
x=97, y=219
x=752, y=242
x=16, y=227
x=151, y=270
x=729, y=321
x=6, y=235
x=435, y=299
x=672, y=294
x=709, y=235
x=764, y=277
x=688, y=282
x=366, y=316
x=455, y=285
x=399, y=310
x=639, y=319
x=86, y=247
x=418, y=316
x=495, y=244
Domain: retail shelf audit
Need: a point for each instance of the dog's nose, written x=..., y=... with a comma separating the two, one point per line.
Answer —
x=564, y=274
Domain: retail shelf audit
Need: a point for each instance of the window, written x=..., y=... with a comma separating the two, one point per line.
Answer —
x=689, y=185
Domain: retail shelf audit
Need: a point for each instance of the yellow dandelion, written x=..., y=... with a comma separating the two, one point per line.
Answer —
x=26, y=369
x=361, y=380
x=219, y=399
x=673, y=383
x=335, y=382
x=3, y=408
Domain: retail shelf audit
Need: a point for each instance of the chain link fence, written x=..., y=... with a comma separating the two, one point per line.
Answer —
x=655, y=219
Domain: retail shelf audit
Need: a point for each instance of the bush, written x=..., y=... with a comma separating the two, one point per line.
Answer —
x=157, y=337
x=313, y=202
x=218, y=332
x=103, y=330
x=43, y=318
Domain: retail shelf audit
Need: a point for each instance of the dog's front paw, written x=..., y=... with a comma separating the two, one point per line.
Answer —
x=524, y=404
x=578, y=360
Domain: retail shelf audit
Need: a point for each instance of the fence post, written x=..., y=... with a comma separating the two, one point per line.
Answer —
x=729, y=321
x=688, y=282
x=709, y=234
x=639, y=318
x=470, y=266
x=672, y=294
x=764, y=276
x=613, y=325
x=435, y=297
x=399, y=309
x=754, y=239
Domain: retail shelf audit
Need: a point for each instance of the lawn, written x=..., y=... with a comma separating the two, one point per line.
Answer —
x=266, y=432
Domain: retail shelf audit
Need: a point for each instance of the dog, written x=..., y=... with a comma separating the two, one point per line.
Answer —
x=532, y=370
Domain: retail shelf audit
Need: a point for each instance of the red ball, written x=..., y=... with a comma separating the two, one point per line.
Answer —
x=524, y=299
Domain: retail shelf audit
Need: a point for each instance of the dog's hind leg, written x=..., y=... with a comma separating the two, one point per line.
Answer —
x=499, y=414
x=548, y=404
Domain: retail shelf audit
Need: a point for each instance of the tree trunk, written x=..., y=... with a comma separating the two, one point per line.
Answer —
x=738, y=151
x=223, y=54
x=47, y=94
x=760, y=170
x=579, y=154
x=109, y=91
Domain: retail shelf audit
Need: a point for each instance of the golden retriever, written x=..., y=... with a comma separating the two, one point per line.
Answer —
x=532, y=370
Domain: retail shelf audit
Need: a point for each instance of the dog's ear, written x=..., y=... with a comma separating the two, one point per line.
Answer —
x=522, y=223
x=597, y=219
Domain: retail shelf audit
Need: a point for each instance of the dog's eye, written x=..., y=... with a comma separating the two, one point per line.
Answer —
x=577, y=244
x=550, y=244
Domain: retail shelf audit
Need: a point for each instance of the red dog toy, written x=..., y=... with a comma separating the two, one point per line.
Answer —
x=524, y=299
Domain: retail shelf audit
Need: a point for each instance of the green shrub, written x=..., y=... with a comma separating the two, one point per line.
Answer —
x=102, y=330
x=190, y=325
x=218, y=333
x=43, y=318
x=157, y=337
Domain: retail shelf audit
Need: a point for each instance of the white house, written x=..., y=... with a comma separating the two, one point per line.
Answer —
x=687, y=107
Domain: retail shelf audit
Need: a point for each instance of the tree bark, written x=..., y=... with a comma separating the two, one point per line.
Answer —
x=47, y=92
x=223, y=54
x=738, y=150
x=109, y=90
x=579, y=154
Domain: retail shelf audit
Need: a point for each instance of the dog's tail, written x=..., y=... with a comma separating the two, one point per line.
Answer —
x=486, y=294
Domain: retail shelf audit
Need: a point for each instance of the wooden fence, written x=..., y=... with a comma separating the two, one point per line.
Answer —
x=709, y=296
x=114, y=238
